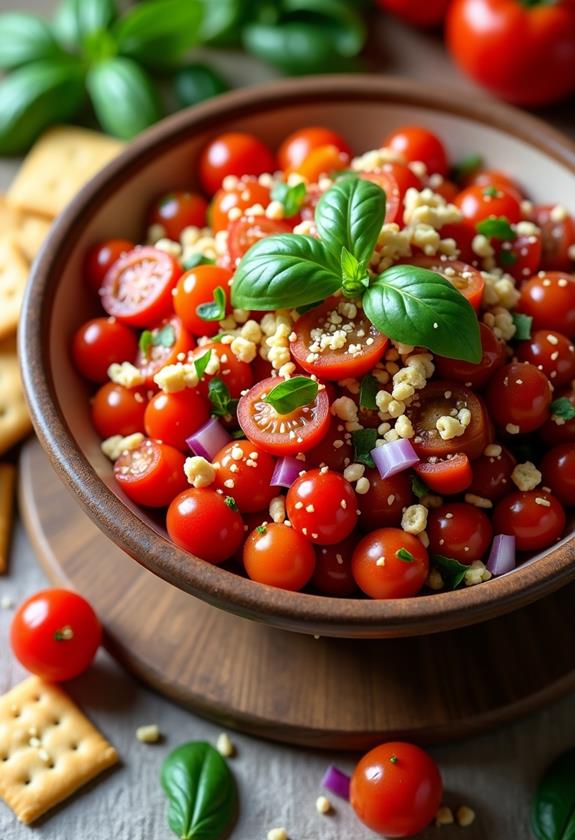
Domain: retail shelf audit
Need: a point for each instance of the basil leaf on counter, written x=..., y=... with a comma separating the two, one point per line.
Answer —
x=123, y=97
x=553, y=807
x=363, y=442
x=496, y=228
x=452, y=571
x=216, y=309
x=522, y=326
x=367, y=391
x=75, y=19
x=23, y=38
x=292, y=198
x=202, y=363
x=416, y=306
x=158, y=32
x=292, y=394
x=201, y=791
x=350, y=215
x=563, y=408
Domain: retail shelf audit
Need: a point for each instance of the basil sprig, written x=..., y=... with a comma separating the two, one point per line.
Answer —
x=553, y=807
x=406, y=303
x=293, y=393
x=201, y=791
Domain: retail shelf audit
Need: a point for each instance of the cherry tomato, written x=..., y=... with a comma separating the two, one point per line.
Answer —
x=558, y=237
x=322, y=506
x=405, y=180
x=521, y=256
x=279, y=556
x=164, y=348
x=298, y=145
x=440, y=399
x=244, y=194
x=552, y=432
x=475, y=376
x=417, y=143
x=172, y=418
x=519, y=395
x=332, y=575
x=102, y=256
x=558, y=469
x=447, y=476
x=245, y=473
x=234, y=153
x=263, y=425
x=55, y=634
x=447, y=189
x=198, y=286
x=494, y=178
x=549, y=297
x=396, y=789
x=465, y=278
x=390, y=563
x=245, y=232
x=137, y=288
x=460, y=531
x=151, y=475
x=424, y=13
x=535, y=518
x=100, y=342
x=178, y=210
x=334, y=450
x=326, y=322
x=492, y=475
x=235, y=374
x=117, y=410
x=206, y=524
x=382, y=506
x=479, y=203
x=463, y=234
x=393, y=198
x=522, y=52
x=322, y=161
x=550, y=352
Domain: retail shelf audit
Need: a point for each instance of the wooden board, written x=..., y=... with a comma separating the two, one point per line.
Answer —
x=316, y=692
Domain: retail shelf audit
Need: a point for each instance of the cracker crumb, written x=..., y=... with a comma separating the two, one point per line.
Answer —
x=444, y=816
x=149, y=734
x=465, y=816
x=277, y=834
x=225, y=746
x=323, y=805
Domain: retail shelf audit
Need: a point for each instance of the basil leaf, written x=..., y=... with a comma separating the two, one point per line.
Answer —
x=284, y=271
x=202, y=363
x=496, y=228
x=238, y=434
x=201, y=791
x=197, y=82
x=24, y=38
x=416, y=306
x=216, y=310
x=146, y=341
x=75, y=19
x=123, y=97
x=222, y=403
x=452, y=571
x=220, y=21
x=292, y=394
x=491, y=192
x=466, y=167
x=563, y=408
x=350, y=215
x=553, y=807
x=367, y=391
x=419, y=487
x=292, y=198
x=405, y=555
x=344, y=24
x=164, y=336
x=363, y=442
x=158, y=32
x=522, y=326
x=296, y=47
x=507, y=258
x=196, y=259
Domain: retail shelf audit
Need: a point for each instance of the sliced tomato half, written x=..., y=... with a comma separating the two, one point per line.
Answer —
x=246, y=231
x=151, y=475
x=282, y=434
x=448, y=475
x=464, y=277
x=389, y=185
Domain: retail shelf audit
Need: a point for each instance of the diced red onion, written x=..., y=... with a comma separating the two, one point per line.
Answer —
x=502, y=555
x=209, y=439
x=394, y=457
x=286, y=471
x=336, y=781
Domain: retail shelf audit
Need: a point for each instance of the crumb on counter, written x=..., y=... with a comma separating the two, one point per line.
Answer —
x=444, y=816
x=323, y=805
x=149, y=734
x=225, y=746
x=277, y=834
x=465, y=816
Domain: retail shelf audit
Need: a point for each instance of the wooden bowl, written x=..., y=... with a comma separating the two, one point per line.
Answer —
x=364, y=109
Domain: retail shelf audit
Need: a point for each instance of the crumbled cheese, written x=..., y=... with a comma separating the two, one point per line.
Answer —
x=434, y=580
x=481, y=246
x=465, y=816
x=558, y=213
x=126, y=374
x=362, y=486
x=277, y=509
x=322, y=805
x=149, y=734
x=6, y=602
x=277, y=834
x=345, y=409
x=500, y=289
x=114, y=446
x=444, y=816
x=526, y=228
x=174, y=249
x=306, y=228
x=478, y=501
x=376, y=158
x=476, y=573
x=251, y=331
x=243, y=349
x=199, y=472
x=354, y=472
x=225, y=746
x=414, y=519
x=492, y=450
x=274, y=210
x=426, y=207
x=512, y=429
x=178, y=377
x=404, y=426
x=154, y=233
x=501, y=321
x=526, y=476
x=450, y=427
x=540, y=500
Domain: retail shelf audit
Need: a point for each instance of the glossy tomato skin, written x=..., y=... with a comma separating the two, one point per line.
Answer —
x=117, y=410
x=494, y=178
x=172, y=418
x=152, y=359
x=475, y=376
x=322, y=506
x=549, y=297
x=521, y=257
x=416, y=143
x=426, y=13
x=246, y=231
x=321, y=161
x=200, y=521
x=459, y=530
x=558, y=237
x=246, y=477
x=534, y=524
x=332, y=575
x=55, y=634
x=235, y=374
x=518, y=398
x=235, y=153
x=492, y=475
x=334, y=450
x=393, y=199
x=558, y=469
x=479, y=203
x=100, y=342
x=279, y=556
x=552, y=432
x=524, y=53
x=448, y=476
x=550, y=352
x=396, y=789
x=101, y=257
x=394, y=578
x=151, y=475
x=382, y=506
x=297, y=146
x=464, y=277
x=195, y=287
x=247, y=192
x=178, y=210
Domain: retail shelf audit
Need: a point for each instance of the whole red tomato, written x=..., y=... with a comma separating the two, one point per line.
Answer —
x=417, y=12
x=522, y=51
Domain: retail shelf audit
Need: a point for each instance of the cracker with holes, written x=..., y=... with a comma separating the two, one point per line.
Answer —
x=48, y=748
x=59, y=163
x=7, y=485
x=14, y=419
x=13, y=277
x=28, y=230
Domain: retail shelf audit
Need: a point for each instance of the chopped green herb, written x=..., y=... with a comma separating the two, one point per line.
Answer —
x=222, y=403
x=452, y=571
x=292, y=394
x=522, y=326
x=496, y=228
x=261, y=529
x=193, y=260
x=162, y=337
x=393, y=759
x=363, y=442
x=368, y=389
x=418, y=486
x=238, y=434
x=491, y=192
x=216, y=309
x=202, y=363
x=146, y=341
x=405, y=555
x=231, y=502
x=466, y=167
x=292, y=198
x=563, y=408
x=355, y=278
x=507, y=258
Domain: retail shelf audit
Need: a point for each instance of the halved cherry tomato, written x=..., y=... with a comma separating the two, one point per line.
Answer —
x=520, y=257
x=172, y=418
x=244, y=194
x=279, y=556
x=535, y=518
x=322, y=506
x=198, y=286
x=459, y=530
x=151, y=475
x=416, y=143
x=334, y=450
x=161, y=350
x=492, y=475
x=494, y=178
x=558, y=469
x=383, y=504
x=297, y=146
x=263, y=425
x=558, y=237
x=390, y=563
x=100, y=342
x=332, y=575
x=327, y=321
x=178, y=210
x=464, y=277
x=117, y=410
x=245, y=232
x=393, y=199
x=205, y=523
x=245, y=473
x=446, y=476
x=235, y=374
x=322, y=161
x=556, y=430
x=102, y=256
x=549, y=297
x=475, y=376
x=552, y=353
x=518, y=397
x=235, y=153
x=479, y=203
x=440, y=399
x=137, y=288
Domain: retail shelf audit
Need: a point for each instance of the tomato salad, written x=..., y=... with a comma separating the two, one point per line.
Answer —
x=353, y=375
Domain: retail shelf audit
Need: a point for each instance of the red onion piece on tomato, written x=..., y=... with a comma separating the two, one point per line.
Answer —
x=394, y=457
x=286, y=471
x=336, y=781
x=502, y=555
x=209, y=439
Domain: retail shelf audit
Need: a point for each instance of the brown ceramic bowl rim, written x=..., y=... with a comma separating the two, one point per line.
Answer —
x=299, y=611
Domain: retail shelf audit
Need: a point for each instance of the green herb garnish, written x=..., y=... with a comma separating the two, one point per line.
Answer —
x=292, y=198
x=367, y=392
x=563, y=408
x=491, y=192
x=419, y=487
x=452, y=571
x=363, y=442
x=231, y=502
x=466, y=167
x=507, y=258
x=202, y=363
x=194, y=260
x=522, y=326
x=162, y=337
x=405, y=555
x=216, y=309
x=496, y=228
x=223, y=405
x=293, y=393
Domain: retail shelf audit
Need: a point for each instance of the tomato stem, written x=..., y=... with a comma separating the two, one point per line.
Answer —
x=393, y=759
x=532, y=4
x=64, y=634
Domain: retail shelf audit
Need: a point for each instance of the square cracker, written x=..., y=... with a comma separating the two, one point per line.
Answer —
x=58, y=164
x=48, y=748
x=14, y=419
x=27, y=229
x=7, y=486
x=13, y=278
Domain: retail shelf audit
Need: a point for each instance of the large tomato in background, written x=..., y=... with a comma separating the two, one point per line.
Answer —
x=522, y=50
x=417, y=12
